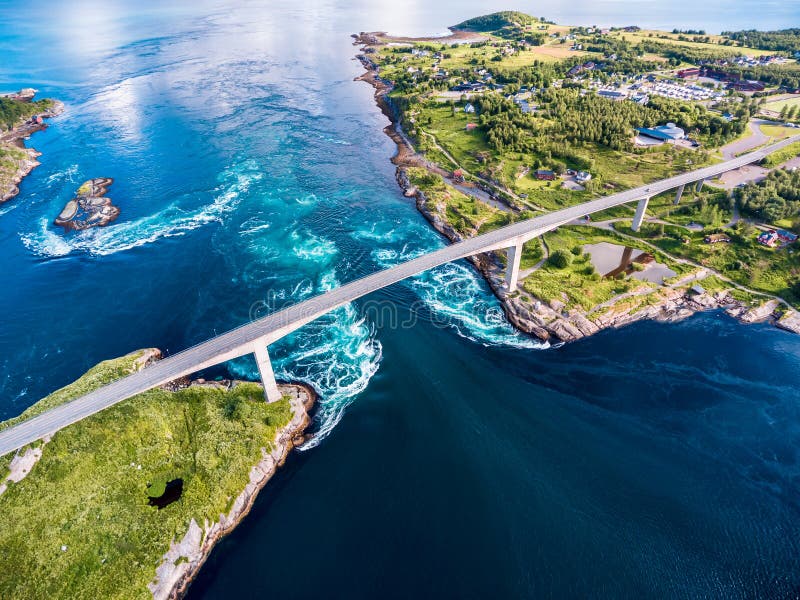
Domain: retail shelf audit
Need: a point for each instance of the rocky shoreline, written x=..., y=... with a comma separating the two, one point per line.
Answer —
x=15, y=139
x=183, y=561
x=550, y=321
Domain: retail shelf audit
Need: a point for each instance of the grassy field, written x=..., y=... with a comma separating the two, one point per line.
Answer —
x=782, y=155
x=621, y=170
x=79, y=525
x=671, y=38
x=578, y=285
x=778, y=132
x=772, y=271
x=467, y=216
x=778, y=105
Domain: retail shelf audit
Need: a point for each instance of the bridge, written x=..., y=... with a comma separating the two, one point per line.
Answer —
x=256, y=336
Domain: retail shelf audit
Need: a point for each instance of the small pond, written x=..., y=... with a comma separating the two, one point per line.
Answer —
x=611, y=259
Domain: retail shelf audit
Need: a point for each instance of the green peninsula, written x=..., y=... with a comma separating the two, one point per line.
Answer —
x=92, y=512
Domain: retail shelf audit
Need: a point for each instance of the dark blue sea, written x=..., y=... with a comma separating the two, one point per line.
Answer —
x=453, y=457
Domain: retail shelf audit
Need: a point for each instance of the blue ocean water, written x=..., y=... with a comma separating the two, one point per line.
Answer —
x=453, y=456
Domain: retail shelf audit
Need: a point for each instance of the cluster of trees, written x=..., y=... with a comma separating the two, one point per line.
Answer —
x=497, y=21
x=590, y=118
x=690, y=31
x=784, y=40
x=776, y=197
x=576, y=118
x=680, y=53
x=790, y=112
x=14, y=111
x=506, y=126
x=695, y=118
x=627, y=58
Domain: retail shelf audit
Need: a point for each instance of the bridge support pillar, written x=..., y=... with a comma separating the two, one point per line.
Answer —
x=271, y=392
x=639, y=215
x=679, y=193
x=513, y=257
x=698, y=188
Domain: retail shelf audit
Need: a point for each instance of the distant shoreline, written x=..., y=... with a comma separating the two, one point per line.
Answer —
x=14, y=139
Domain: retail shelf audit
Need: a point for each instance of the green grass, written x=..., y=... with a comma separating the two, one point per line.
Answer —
x=778, y=105
x=583, y=290
x=782, y=155
x=771, y=271
x=777, y=132
x=467, y=215
x=88, y=493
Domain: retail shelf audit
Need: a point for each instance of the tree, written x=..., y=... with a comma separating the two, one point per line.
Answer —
x=560, y=259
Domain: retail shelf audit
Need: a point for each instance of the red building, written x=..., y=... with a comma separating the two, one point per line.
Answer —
x=689, y=73
x=545, y=175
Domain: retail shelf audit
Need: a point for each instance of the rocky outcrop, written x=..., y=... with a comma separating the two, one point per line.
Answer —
x=183, y=560
x=90, y=207
x=790, y=321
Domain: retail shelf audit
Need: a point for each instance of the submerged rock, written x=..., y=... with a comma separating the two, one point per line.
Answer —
x=89, y=208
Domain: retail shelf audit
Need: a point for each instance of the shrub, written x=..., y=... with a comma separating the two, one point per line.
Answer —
x=560, y=259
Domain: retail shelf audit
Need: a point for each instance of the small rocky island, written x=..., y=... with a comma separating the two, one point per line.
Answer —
x=90, y=207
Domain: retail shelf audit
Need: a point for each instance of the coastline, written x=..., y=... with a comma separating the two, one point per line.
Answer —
x=15, y=139
x=530, y=315
x=184, y=559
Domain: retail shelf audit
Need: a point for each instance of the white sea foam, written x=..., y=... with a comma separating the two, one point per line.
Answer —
x=170, y=222
x=312, y=247
x=67, y=174
x=337, y=355
x=7, y=208
x=453, y=292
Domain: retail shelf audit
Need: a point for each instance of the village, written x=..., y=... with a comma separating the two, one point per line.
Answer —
x=533, y=117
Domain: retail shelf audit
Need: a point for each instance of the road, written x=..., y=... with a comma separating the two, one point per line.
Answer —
x=242, y=340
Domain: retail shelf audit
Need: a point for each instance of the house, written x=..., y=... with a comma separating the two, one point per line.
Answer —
x=668, y=132
x=545, y=175
x=769, y=238
x=690, y=73
x=469, y=108
x=698, y=289
x=583, y=176
x=471, y=126
x=748, y=86
x=787, y=237
x=717, y=238
x=612, y=94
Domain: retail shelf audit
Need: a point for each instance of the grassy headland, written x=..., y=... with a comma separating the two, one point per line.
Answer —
x=79, y=525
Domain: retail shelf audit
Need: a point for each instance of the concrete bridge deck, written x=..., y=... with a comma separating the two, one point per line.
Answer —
x=258, y=334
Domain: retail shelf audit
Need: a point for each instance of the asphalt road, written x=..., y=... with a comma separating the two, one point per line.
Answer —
x=241, y=341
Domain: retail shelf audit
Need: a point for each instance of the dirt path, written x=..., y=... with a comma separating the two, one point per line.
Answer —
x=538, y=265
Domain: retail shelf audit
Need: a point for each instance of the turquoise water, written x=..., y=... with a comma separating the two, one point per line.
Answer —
x=452, y=456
